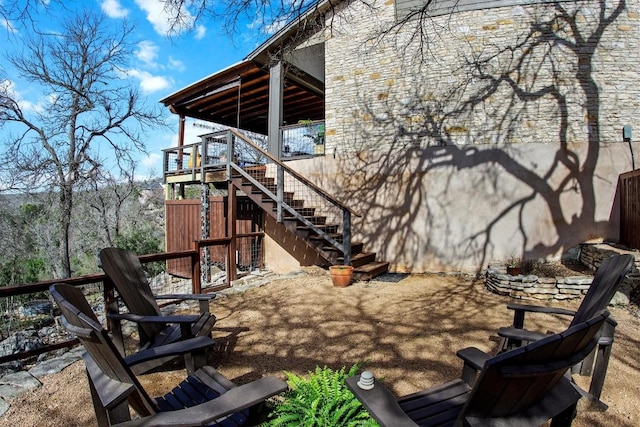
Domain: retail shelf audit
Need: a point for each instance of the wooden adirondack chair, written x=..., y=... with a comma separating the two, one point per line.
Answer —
x=523, y=387
x=204, y=398
x=605, y=283
x=155, y=329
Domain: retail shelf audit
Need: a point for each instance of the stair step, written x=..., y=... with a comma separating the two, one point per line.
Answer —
x=305, y=212
x=365, y=265
x=288, y=195
x=294, y=203
x=315, y=220
x=356, y=247
x=370, y=271
x=327, y=228
x=360, y=259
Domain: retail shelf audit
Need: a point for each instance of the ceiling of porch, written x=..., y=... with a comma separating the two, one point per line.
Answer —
x=239, y=97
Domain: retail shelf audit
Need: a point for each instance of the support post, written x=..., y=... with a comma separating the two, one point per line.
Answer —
x=196, y=285
x=231, y=230
x=276, y=85
x=280, y=193
x=346, y=236
x=205, y=262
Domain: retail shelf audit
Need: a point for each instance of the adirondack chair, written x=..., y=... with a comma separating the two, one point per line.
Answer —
x=154, y=329
x=526, y=386
x=204, y=398
x=605, y=283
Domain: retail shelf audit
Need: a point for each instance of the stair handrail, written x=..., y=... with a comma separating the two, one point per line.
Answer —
x=323, y=193
x=345, y=247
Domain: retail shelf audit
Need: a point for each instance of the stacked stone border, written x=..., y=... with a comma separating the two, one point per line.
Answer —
x=563, y=288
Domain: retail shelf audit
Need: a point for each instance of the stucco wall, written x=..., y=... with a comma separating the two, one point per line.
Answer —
x=501, y=137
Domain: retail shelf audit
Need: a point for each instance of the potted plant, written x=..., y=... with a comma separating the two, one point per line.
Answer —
x=341, y=275
x=514, y=265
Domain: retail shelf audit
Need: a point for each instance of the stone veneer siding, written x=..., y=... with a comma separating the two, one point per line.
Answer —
x=446, y=180
x=374, y=88
x=562, y=288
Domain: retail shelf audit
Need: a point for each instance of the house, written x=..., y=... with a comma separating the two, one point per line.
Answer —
x=455, y=132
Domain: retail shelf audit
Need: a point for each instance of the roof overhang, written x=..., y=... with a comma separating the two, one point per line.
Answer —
x=238, y=96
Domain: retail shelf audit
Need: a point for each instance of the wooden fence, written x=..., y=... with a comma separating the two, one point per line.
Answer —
x=183, y=227
x=629, y=187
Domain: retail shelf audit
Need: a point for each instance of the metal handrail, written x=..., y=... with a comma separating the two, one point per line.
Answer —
x=281, y=168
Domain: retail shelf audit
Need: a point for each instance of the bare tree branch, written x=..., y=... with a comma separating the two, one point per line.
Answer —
x=88, y=102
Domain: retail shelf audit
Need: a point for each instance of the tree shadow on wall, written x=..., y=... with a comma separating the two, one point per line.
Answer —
x=546, y=78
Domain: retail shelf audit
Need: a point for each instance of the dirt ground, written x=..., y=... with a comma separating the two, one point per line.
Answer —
x=407, y=330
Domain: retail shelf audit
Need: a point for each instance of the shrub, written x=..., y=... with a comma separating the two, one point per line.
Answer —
x=321, y=400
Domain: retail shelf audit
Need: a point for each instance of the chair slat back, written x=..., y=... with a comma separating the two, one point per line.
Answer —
x=79, y=319
x=125, y=271
x=605, y=283
x=516, y=380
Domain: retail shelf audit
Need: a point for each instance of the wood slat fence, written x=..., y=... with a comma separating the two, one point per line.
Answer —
x=629, y=188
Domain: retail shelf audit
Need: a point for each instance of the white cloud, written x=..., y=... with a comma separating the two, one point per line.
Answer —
x=201, y=30
x=147, y=52
x=161, y=18
x=10, y=88
x=148, y=82
x=6, y=24
x=152, y=160
x=176, y=65
x=113, y=9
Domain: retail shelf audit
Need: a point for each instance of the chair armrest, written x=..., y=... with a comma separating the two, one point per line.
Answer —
x=110, y=392
x=474, y=359
x=203, y=299
x=381, y=404
x=540, y=309
x=521, y=309
x=190, y=318
x=173, y=349
x=234, y=400
x=521, y=334
x=183, y=297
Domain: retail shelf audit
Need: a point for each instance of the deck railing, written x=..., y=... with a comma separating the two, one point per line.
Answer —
x=301, y=140
x=100, y=293
x=293, y=189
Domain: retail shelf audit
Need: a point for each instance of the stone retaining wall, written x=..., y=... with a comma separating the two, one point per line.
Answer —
x=562, y=288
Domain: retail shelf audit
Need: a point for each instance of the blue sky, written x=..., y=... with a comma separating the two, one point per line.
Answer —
x=162, y=64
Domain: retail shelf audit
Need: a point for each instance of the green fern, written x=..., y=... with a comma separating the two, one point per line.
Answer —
x=322, y=400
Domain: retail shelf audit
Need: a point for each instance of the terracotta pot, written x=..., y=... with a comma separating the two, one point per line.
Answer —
x=513, y=271
x=341, y=275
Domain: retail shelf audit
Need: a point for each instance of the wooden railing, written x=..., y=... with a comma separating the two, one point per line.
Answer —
x=234, y=152
x=629, y=187
x=108, y=289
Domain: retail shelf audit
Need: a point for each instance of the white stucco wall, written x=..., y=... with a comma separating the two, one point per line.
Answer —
x=530, y=129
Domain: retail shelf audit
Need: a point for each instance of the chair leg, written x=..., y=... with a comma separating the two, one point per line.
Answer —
x=195, y=360
x=600, y=370
x=107, y=417
x=565, y=418
x=586, y=366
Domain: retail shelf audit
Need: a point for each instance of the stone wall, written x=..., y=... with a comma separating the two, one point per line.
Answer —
x=562, y=288
x=478, y=136
x=425, y=85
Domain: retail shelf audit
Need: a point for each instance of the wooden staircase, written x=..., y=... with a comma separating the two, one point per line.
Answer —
x=317, y=236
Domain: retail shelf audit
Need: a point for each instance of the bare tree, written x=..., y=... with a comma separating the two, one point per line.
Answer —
x=14, y=12
x=54, y=146
x=265, y=15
